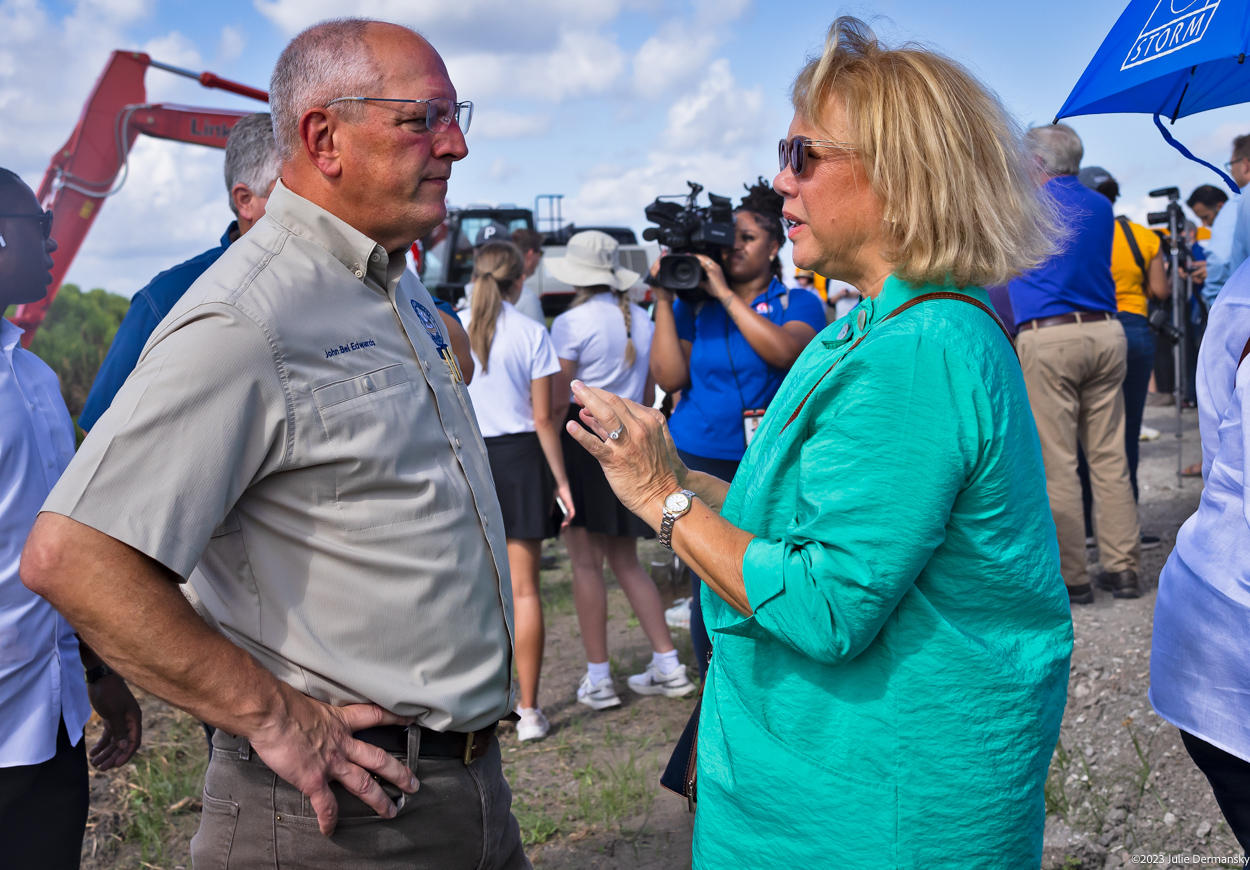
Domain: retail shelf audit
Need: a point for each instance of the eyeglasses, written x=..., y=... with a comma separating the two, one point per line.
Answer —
x=1228, y=167
x=793, y=152
x=44, y=218
x=439, y=112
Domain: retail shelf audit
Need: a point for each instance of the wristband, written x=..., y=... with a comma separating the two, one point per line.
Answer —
x=98, y=673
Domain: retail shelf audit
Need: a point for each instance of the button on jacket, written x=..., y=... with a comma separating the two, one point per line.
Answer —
x=41, y=679
x=292, y=436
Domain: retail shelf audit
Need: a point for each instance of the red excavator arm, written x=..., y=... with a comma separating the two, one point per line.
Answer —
x=92, y=165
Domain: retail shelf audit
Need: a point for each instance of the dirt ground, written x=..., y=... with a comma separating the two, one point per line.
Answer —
x=1121, y=784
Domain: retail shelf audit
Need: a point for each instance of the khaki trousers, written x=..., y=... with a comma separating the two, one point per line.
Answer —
x=1075, y=377
x=459, y=819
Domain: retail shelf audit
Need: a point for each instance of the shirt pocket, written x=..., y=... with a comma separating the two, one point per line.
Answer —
x=389, y=454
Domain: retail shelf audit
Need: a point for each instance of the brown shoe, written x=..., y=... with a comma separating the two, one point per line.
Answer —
x=1083, y=594
x=1121, y=584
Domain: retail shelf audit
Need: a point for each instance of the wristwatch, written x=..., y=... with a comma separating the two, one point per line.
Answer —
x=675, y=506
x=99, y=672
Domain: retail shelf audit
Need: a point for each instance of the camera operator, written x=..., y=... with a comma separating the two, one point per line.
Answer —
x=728, y=356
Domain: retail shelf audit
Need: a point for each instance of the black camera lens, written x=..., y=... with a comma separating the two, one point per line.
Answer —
x=680, y=272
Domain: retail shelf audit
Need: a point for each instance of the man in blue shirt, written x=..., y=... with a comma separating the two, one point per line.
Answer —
x=1074, y=355
x=251, y=170
x=44, y=693
x=1229, y=245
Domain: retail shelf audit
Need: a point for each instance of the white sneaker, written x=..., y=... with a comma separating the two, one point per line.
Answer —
x=598, y=696
x=678, y=616
x=532, y=725
x=652, y=682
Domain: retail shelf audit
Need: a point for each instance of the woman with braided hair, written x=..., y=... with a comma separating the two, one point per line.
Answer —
x=515, y=362
x=605, y=339
x=729, y=356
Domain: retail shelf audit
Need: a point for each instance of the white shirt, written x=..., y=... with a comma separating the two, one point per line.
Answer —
x=1198, y=676
x=531, y=306
x=593, y=335
x=520, y=353
x=41, y=677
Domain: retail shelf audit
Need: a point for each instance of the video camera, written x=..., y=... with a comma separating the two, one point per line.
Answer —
x=687, y=230
x=1173, y=217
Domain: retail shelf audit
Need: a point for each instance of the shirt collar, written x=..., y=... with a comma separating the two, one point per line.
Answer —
x=10, y=335
x=895, y=291
x=362, y=256
x=232, y=232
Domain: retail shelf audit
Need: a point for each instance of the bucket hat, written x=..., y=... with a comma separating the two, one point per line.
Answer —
x=592, y=258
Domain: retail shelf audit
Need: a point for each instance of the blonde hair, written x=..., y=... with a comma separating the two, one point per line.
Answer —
x=622, y=301
x=942, y=155
x=497, y=266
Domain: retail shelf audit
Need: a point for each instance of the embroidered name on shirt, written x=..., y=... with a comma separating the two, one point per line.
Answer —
x=348, y=348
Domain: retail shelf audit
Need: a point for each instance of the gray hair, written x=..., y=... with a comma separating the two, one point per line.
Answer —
x=1057, y=148
x=251, y=156
x=324, y=62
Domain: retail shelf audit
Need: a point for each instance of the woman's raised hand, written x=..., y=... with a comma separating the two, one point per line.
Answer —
x=716, y=284
x=641, y=462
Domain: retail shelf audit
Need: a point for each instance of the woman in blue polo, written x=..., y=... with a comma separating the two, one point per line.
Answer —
x=729, y=355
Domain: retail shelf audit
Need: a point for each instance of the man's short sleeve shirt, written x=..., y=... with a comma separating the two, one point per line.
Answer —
x=293, y=441
x=1077, y=277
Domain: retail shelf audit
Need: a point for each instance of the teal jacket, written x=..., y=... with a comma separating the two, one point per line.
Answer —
x=895, y=698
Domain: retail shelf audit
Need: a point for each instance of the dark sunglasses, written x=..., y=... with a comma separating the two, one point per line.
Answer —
x=44, y=218
x=793, y=152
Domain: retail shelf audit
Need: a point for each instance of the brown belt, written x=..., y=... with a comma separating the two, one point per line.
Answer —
x=1074, y=317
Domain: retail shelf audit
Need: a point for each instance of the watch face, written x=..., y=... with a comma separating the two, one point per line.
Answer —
x=677, y=503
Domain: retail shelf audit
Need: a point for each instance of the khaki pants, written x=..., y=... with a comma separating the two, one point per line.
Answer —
x=1075, y=374
x=459, y=819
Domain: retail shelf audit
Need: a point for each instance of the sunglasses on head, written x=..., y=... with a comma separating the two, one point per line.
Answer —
x=793, y=152
x=44, y=218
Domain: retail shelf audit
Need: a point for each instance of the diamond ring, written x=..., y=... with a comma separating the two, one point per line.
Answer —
x=616, y=433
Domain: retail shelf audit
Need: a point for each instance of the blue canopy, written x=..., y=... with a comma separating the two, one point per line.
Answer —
x=1168, y=57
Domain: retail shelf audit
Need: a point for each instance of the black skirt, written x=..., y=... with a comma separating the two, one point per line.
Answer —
x=524, y=484
x=598, y=508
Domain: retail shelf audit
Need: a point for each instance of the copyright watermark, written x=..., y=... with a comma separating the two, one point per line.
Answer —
x=1164, y=859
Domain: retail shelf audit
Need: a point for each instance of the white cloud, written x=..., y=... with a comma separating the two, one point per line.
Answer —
x=714, y=137
x=718, y=116
x=539, y=49
x=230, y=44
x=678, y=52
x=173, y=205
x=501, y=170
x=581, y=63
x=496, y=124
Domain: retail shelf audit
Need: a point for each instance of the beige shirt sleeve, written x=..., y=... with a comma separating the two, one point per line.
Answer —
x=203, y=416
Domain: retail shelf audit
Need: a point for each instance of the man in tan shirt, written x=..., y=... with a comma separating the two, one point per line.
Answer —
x=296, y=440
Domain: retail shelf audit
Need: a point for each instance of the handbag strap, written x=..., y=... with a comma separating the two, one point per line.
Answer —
x=910, y=303
x=1136, y=251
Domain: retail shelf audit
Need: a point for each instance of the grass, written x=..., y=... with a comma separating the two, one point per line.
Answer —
x=610, y=793
x=163, y=775
x=536, y=826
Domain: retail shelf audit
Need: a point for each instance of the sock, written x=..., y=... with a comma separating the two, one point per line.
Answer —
x=526, y=712
x=598, y=671
x=665, y=663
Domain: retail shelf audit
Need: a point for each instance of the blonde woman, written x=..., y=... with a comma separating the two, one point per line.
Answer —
x=890, y=629
x=515, y=361
x=604, y=339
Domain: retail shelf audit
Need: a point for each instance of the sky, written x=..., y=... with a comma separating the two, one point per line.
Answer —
x=608, y=102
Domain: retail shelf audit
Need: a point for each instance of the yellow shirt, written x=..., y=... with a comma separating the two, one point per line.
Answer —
x=1130, y=290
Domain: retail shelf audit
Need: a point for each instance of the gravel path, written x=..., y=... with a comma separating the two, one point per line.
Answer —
x=1122, y=786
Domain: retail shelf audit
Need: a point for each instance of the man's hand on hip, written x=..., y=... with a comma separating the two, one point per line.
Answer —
x=309, y=744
